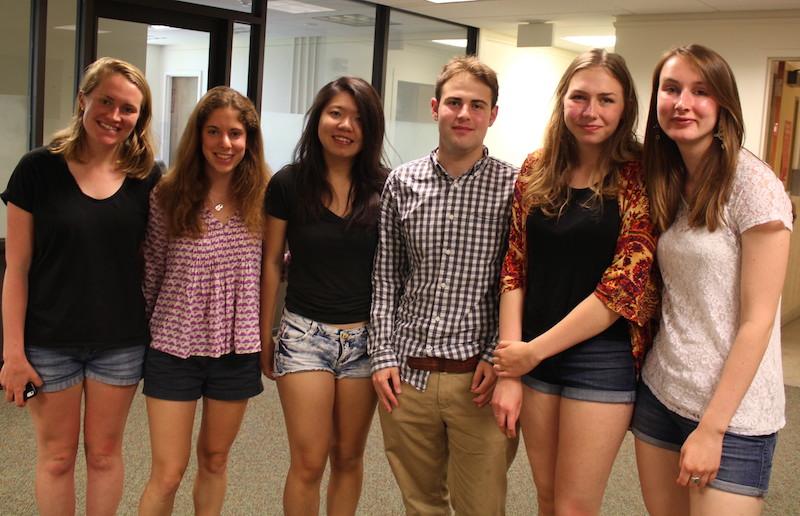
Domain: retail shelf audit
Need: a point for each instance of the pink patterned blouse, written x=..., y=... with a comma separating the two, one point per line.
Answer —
x=202, y=294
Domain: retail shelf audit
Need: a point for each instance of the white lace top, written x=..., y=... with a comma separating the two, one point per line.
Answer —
x=700, y=310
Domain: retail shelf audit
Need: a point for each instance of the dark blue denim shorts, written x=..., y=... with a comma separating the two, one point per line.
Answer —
x=746, y=459
x=599, y=369
x=307, y=345
x=61, y=368
x=230, y=377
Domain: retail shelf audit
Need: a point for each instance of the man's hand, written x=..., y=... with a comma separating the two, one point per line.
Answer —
x=387, y=385
x=506, y=404
x=483, y=382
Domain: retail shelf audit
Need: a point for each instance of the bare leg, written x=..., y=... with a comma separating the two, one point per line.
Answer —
x=707, y=501
x=539, y=421
x=57, y=423
x=658, y=472
x=586, y=455
x=104, y=420
x=171, y=441
x=307, y=401
x=353, y=409
x=218, y=430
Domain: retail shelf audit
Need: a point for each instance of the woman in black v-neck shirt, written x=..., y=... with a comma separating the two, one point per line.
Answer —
x=325, y=206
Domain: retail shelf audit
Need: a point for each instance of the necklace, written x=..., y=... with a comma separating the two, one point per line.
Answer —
x=218, y=206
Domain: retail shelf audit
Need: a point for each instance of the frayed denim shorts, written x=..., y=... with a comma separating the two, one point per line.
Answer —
x=61, y=368
x=599, y=369
x=746, y=461
x=307, y=345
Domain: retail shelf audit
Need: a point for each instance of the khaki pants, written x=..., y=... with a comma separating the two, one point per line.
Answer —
x=444, y=450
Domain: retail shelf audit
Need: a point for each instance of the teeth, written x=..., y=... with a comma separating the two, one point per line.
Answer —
x=343, y=140
x=224, y=156
x=108, y=127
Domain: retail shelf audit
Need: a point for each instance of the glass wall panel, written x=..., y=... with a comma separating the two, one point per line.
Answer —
x=418, y=48
x=14, y=99
x=240, y=64
x=59, y=97
x=245, y=6
x=303, y=52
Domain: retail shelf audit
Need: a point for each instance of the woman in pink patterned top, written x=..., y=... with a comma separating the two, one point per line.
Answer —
x=577, y=288
x=202, y=273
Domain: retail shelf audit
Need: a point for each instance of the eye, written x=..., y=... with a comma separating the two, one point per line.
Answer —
x=577, y=96
x=129, y=109
x=477, y=106
x=105, y=102
x=701, y=92
x=607, y=100
x=335, y=112
x=453, y=102
x=670, y=89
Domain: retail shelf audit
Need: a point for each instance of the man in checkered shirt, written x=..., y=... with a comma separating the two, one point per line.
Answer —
x=443, y=234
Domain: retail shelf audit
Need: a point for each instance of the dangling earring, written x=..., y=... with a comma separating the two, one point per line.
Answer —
x=656, y=131
x=718, y=135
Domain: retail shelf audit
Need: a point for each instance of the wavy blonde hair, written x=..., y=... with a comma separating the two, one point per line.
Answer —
x=184, y=188
x=548, y=186
x=136, y=155
x=665, y=171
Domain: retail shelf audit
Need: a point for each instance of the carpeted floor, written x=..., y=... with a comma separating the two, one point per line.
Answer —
x=260, y=459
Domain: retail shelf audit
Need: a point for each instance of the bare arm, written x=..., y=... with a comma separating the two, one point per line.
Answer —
x=17, y=371
x=272, y=262
x=507, y=397
x=765, y=252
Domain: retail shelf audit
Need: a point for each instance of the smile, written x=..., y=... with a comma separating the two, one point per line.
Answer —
x=342, y=139
x=223, y=156
x=108, y=127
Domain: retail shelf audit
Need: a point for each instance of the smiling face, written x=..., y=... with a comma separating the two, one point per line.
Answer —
x=464, y=114
x=593, y=106
x=687, y=112
x=339, y=129
x=224, y=141
x=110, y=110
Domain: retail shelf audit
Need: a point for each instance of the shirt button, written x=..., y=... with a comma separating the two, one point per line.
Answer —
x=345, y=335
x=451, y=216
x=436, y=319
x=455, y=185
x=443, y=285
x=447, y=252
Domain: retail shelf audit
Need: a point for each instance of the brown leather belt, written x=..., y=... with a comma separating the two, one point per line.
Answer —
x=443, y=365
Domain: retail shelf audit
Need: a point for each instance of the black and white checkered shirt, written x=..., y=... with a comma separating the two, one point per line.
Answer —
x=442, y=241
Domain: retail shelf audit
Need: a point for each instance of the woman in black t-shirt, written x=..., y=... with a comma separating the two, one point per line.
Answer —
x=325, y=206
x=73, y=311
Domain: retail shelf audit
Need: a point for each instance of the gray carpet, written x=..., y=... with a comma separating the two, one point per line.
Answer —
x=260, y=459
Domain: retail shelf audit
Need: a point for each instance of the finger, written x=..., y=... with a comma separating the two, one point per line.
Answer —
x=396, y=383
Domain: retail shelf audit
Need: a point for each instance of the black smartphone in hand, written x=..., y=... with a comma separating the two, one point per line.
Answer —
x=29, y=392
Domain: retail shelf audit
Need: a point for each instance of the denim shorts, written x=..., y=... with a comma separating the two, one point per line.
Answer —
x=307, y=345
x=746, y=459
x=230, y=377
x=61, y=368
x=599, y=369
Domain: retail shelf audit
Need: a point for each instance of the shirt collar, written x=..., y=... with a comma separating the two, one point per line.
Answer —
x=476, y=167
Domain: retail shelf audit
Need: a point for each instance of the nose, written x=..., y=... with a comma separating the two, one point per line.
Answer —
x=463, y=113
x=225, y=141
x=684, y=100
x=345, y=123
x=589, y=110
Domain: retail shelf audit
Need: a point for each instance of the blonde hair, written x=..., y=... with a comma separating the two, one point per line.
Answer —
x=136, y=155
x=183, y=190
x=548, y=186
x=665, y=171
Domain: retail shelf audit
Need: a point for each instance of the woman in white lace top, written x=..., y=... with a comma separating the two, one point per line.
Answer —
x=712, y=395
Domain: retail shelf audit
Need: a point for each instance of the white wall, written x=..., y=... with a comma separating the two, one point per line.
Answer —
x=528, y=77
x=746, y=40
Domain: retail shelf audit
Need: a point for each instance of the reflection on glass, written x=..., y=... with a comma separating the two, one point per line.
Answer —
x=418, y=48
x=14, y=99
x=240, y=64
x=303, y=52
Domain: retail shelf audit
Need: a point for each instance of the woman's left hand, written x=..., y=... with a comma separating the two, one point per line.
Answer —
x=700, y=457
x=514, y=358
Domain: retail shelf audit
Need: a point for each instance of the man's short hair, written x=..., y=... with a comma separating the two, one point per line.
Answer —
x=468, y=65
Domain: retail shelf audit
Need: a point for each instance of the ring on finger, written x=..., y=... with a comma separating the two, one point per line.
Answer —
x=696, y=480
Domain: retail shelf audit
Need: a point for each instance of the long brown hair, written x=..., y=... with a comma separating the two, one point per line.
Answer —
x=183, y=190
x=135, y=156
x=665, y=171
x=548, y=185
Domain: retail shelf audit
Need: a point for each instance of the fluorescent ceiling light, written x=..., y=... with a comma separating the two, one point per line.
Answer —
x=449, y=1
x=295, y=7
x=593, y=41
x=452, y=42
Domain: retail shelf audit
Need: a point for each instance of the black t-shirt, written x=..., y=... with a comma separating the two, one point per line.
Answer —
x=567, y=257
x=330, y=274
x=84, y=285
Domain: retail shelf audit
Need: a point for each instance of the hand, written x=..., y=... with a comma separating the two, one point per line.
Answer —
x=700, y=457
x=506, y=404
x=14, y=376
x=387, y=385
x=267, y=359
x=483, y=382
x=514, y=358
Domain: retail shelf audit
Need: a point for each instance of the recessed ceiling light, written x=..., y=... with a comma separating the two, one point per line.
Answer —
x=593, y=41
x=452, y=42
x=295, y=7
x=449, y=1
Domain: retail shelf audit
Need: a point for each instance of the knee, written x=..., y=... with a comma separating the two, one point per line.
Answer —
x=346, y=461
x=214, y=463
x=103, y=458
x=309, y=468
x=546, y=500
x=167, y=481
x=58, y=464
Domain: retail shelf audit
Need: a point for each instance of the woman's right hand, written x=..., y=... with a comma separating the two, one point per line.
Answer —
x=267, y=359
x=506, y=404
x=14, y=375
